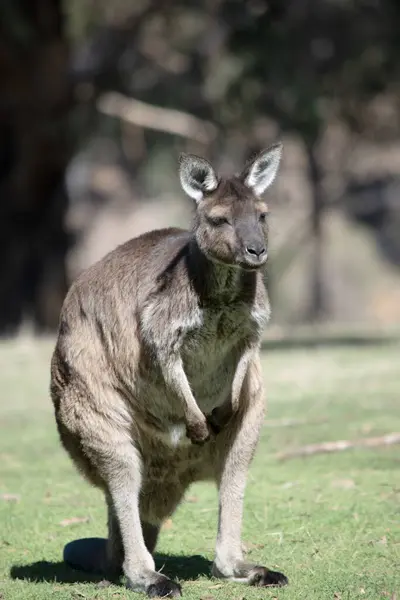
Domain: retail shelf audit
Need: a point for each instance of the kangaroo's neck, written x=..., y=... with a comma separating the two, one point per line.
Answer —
x=217, y=283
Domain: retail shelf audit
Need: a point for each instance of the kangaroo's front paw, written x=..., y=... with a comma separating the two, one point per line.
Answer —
x=198, y=432
x=219, y=418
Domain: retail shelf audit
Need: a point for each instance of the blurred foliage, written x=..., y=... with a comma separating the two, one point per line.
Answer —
x=298, y=62
x=254, y=69
x=311, y=60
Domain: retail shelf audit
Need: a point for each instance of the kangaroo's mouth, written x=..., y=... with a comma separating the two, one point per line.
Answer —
x=245, y=263
x=253, y=264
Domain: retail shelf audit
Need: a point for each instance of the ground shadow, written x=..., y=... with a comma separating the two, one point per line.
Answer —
x=183, y=567
x=57, y=572
x=177, y=567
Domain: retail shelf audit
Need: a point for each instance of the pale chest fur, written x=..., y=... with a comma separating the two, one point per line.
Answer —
x=212, y=349
x=212, y=341
x=210, y=337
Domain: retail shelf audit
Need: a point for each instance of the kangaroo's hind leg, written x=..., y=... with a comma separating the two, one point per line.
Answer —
x=122, y=472
x=150, y=534
x=115, y=549
x=102, y=447
x=235, y=449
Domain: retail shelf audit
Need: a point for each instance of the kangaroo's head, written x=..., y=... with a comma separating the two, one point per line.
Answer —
x=231, y=224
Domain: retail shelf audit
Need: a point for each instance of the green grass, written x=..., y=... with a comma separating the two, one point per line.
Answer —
x=331, y=523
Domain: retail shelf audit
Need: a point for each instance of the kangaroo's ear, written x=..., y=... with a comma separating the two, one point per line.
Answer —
x=197, y=176
x=261, y=171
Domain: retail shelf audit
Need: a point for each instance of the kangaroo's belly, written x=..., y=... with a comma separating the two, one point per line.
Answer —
x=168, y=471
x=210, y=375
x=211, y=354
x=160, y=413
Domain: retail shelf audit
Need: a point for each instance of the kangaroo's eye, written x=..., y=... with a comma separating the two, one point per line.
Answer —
x=263, y=216
x=218, y=221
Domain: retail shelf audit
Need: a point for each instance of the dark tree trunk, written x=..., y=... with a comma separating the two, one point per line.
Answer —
x=317, y=305
x=35, y=101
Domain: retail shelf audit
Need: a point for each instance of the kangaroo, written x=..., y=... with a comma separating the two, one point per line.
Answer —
x=155, y=377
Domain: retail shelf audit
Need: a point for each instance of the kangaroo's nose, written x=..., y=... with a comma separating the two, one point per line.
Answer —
x=256, y=250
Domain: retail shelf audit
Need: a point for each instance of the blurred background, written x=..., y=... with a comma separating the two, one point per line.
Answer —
x=98, y=98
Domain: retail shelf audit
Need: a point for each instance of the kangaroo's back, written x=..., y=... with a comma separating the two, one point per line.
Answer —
x=130, y=271
x=102, y=306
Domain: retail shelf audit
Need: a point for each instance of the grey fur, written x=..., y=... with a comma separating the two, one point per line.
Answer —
x=156, y=380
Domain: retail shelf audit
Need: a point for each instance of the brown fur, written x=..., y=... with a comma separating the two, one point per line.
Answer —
x=157, y=339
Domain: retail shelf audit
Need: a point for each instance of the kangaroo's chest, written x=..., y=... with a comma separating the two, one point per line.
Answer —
x=211, y=344
x=219, y=329
x=212, y=350
x=220, y=326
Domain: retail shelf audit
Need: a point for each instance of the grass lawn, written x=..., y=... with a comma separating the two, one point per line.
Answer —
x=331, y=523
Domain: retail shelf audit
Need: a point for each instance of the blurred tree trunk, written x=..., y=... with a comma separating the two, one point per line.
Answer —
x=35, y=100
x=317, y=304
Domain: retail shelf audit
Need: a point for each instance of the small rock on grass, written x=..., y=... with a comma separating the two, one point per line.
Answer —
x=343, y=484
x=167, y=524
x=73, y=521
x=10, y=497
